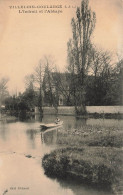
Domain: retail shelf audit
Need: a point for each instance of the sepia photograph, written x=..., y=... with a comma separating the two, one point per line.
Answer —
x=61, y=97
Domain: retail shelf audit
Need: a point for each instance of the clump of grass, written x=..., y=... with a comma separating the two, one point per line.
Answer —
x=88, y=165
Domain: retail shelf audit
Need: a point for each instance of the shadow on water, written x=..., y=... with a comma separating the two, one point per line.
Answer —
x=79, y=188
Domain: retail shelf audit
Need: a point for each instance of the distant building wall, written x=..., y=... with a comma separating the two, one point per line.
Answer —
x=66, y=110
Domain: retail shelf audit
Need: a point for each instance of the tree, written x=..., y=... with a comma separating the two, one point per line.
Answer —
x=62, y=86
x=49, y=88
x=39, y=75
x=100, y=71
x=30, y=94
x=104, y=83
x=79, y=49
x=48, y=80
x=3, y=89
x=115, y=93
x=44, y=81
x=29, y=81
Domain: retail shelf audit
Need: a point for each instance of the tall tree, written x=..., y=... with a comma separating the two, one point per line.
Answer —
x=29, y=81
x=48, y=80
x=44, y=80
x=49, y=83
x=79, y=48
x=62, y=86
x=39, y=75
x=3, y=89
x=30, y=93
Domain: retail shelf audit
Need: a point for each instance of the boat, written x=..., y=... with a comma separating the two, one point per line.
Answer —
x=44, y=126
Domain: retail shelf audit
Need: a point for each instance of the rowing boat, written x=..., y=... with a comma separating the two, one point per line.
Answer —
x=50, y=125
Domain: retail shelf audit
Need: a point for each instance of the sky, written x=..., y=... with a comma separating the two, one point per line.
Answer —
x=26, y=37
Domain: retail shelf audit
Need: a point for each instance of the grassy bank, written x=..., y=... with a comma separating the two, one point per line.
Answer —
x=91, y=155
x=92, y=166
x=105, y=115
x=91, y=136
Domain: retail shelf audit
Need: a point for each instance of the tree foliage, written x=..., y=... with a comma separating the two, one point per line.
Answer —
x=104, y=85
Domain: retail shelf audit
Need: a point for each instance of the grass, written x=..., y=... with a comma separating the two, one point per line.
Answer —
x=91, y=155
x=91, y=136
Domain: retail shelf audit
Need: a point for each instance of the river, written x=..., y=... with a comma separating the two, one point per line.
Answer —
x=22, y=147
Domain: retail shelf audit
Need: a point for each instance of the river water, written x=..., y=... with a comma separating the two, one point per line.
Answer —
x=22, y=147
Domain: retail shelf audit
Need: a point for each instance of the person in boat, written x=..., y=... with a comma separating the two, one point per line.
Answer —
x=57, y=120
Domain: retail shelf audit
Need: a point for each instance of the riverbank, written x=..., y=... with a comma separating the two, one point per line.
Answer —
x=90, y=155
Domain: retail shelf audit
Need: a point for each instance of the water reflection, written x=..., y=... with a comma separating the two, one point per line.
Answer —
x=4, y=132
x=49, y=137
x=80, y=189
x=31, y=133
